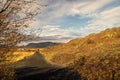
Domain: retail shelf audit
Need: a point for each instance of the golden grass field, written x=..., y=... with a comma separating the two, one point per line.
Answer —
x=107, y=41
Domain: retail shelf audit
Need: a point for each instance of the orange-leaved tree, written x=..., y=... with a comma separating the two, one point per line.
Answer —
x=13, y=15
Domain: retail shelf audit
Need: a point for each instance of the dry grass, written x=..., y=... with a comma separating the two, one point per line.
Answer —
x=101, y=67
x=93, y=44
x=6, y=72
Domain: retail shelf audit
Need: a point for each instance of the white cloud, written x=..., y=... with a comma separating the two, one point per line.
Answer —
x=60, y=8
x=39, y=30
x=105, y=19
x=88, y=7
x=111, y=14
x=49, y=30
x=48, y=33
x=101, y=19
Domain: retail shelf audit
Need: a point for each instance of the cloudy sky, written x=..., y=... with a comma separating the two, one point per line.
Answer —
x=63, y=20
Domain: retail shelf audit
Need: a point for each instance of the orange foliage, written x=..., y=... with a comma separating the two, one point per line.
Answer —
x=104, y=67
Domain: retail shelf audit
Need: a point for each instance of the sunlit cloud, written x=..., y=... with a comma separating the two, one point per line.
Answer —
x=87, y=16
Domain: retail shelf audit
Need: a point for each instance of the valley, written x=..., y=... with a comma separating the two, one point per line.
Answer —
x=93, y=53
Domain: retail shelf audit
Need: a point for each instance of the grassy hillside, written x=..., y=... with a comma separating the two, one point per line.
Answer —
x=107, y=41
x=100, y=67
x=95, y=57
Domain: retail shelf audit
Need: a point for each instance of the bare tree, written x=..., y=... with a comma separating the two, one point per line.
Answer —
x=13, y=15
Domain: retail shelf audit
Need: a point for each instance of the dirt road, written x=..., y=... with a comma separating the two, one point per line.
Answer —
x=35, y=67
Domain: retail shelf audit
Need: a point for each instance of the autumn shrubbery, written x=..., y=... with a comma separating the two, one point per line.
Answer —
x=101, y=67
x=6, y=71
x=62, y=59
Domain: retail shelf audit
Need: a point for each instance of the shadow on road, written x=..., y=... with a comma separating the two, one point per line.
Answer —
x=35, y=60
x=35, y=67
x=46, y=74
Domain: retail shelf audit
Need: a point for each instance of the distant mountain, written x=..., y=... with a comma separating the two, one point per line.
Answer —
x=107, y=41
x=40, y=45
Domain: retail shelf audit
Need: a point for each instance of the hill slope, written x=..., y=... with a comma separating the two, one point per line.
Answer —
x=107, y=41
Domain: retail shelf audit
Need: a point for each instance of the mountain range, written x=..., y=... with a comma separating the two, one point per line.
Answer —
x=39, y=45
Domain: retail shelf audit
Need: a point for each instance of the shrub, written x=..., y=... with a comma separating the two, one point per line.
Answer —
x=105, y=67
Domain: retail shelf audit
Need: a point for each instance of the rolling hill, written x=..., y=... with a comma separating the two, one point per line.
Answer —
x=94, y=57
x=107, y=41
